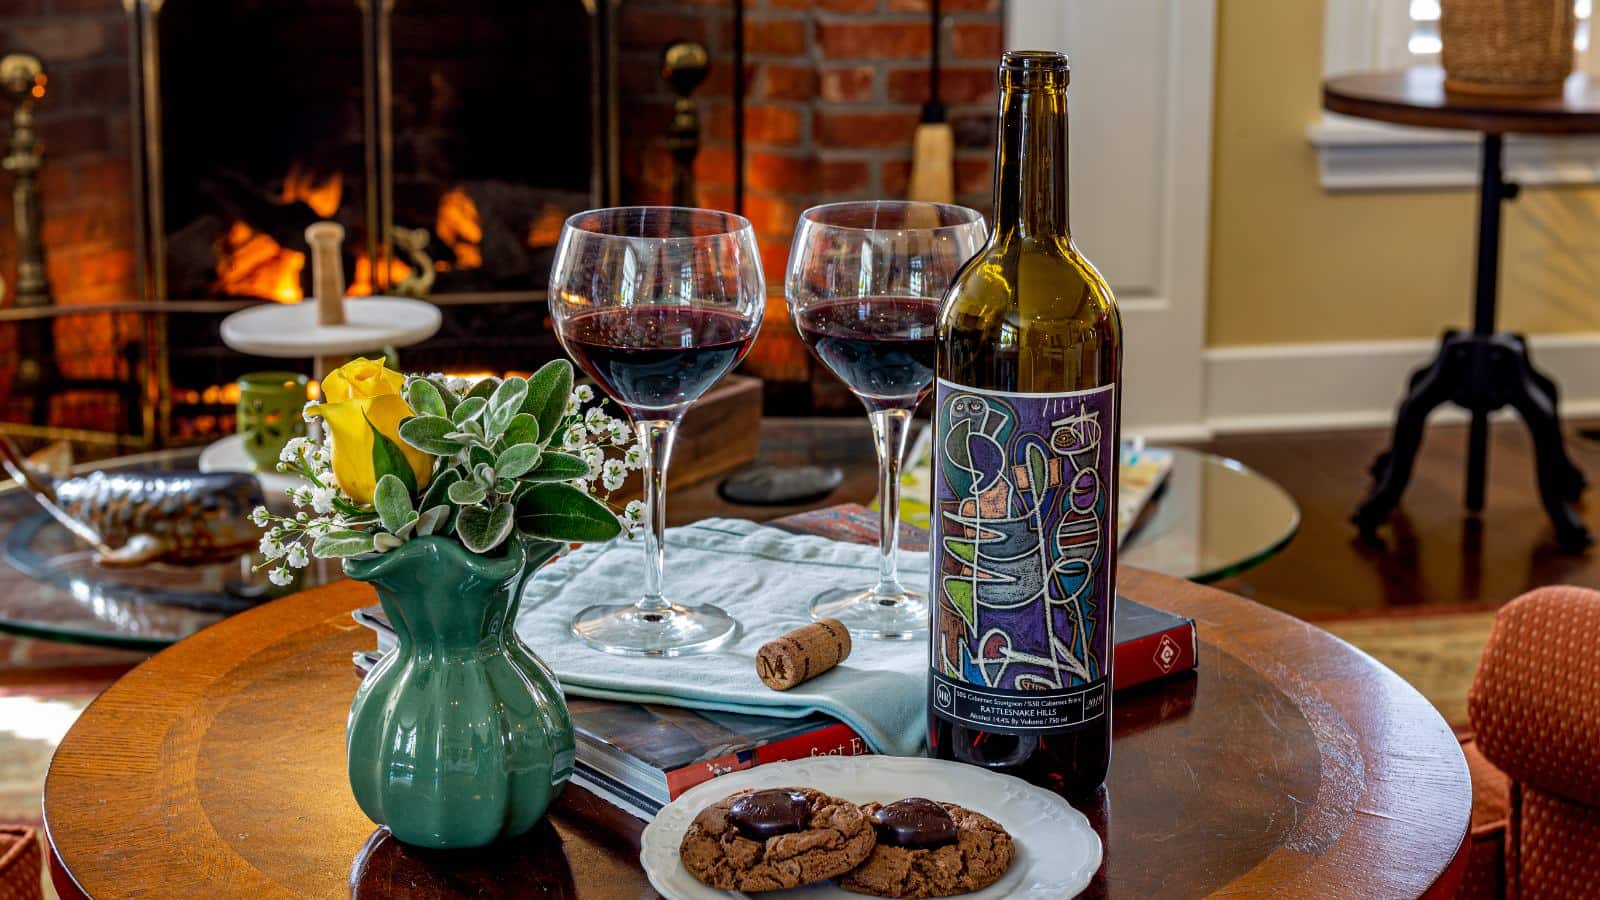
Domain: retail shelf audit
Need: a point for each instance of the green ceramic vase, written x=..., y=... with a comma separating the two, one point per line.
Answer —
x=460, y=736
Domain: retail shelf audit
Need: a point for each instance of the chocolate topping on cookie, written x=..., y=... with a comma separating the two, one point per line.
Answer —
x=766, y=814
x=914, y=822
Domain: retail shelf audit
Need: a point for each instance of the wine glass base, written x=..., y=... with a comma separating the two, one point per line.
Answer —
x=871, y=614
x=673, y=630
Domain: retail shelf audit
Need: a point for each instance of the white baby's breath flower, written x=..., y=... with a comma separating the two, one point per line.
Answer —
x=621, y=432
x=597, y=421
x=458, y=385
x=595, y=457
x=573, y=438
x=259, y=516
x=294, y=450
x=614, y=468
x=573, y=405
x=634, y=457
x=583, y=392
x=320, y=499
x=611, y=483
x=269, y=547
x=280, y=576
x=633, y=513
x=297, y=556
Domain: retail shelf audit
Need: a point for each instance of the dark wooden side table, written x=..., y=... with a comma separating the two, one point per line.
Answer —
x=1482, y=369
x=1291, y=764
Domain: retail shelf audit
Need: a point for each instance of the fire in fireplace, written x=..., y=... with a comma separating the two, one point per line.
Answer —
x=450, y=140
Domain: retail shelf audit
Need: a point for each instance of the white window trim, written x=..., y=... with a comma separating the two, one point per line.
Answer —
x=1363, y=155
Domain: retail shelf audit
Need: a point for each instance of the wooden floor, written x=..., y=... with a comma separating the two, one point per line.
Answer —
x=1433, y=554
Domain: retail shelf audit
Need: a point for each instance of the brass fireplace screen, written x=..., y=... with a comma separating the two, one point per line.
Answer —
x=451, y=140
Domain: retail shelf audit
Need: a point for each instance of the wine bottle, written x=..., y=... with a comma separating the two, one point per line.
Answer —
x=1029, y=359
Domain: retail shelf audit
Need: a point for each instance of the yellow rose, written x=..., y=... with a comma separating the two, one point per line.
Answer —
x=361, y=397
x=361, y=379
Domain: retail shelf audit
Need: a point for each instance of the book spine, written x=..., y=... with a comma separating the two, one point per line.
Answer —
x=830, y=740
x=1155, y=656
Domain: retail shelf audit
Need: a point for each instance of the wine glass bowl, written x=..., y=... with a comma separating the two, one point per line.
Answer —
x=656, y=304
x=864, y=284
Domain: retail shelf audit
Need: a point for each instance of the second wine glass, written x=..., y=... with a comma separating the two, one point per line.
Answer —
x=864, y=284
x=656, y=304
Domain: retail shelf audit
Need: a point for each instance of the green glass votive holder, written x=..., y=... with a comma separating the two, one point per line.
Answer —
x=269, y=414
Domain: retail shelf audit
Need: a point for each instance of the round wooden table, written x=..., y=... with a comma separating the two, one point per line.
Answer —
x=1483, y=369
x=1291, y=764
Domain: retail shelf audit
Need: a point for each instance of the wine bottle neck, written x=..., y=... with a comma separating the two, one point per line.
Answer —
x=1030, y=175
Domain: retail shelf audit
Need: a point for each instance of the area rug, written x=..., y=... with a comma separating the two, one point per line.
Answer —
x=1436, y=652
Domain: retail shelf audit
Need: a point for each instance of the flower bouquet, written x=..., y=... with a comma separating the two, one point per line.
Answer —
x=445, y=494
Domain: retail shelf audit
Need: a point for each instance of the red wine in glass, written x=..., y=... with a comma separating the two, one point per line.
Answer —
x=658, y=357
x=881, y=347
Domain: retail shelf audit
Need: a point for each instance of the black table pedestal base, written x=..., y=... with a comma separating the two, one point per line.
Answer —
x=1481, y=373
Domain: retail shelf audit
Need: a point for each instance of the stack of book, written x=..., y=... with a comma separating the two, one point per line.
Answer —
x=639, y=757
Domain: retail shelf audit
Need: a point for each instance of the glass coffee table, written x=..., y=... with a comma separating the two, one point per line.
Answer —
x=1214, y=517
x=51, y=587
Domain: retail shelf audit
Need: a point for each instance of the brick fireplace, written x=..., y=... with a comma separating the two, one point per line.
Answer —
x=832, y=89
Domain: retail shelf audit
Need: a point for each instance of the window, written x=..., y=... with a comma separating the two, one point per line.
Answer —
x=1422, y=44
x=1356, y=154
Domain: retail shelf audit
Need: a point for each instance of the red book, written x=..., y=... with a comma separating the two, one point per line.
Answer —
x=1151, y=643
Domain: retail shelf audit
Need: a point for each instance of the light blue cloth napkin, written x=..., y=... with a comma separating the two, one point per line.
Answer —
x=764, y=578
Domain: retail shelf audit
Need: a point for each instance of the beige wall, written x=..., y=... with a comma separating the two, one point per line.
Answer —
x=1291, y=263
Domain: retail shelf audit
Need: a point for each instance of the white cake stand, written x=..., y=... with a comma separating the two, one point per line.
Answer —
x=293, y=331
x=228, y=455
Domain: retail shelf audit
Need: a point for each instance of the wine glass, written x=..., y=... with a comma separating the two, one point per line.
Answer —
x=656, y=304
x=864, y=284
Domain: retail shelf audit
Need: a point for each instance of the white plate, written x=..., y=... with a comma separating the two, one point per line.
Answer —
x=228, y=455
x=1056, y=851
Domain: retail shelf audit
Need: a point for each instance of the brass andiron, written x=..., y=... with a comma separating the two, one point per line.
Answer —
x=23, y=79
x=684, y=65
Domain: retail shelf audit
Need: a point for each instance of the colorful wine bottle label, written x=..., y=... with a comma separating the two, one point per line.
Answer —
x=1024, y=534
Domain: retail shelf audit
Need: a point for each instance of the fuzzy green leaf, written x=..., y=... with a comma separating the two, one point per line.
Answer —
x=483, y=387
x=340, y=544
x=482, y=530
x=450, y=398
x=548, y=390
x=513, y=462
x=388, y=460
x=466, y=493
x=393, y=503
x=432, y=520
x=438, y=488
x=425, y=399
x=430, y=434
x=556, y=466
x=469, y=409
x=504, y=404
x=561, y=512
x=524, y=429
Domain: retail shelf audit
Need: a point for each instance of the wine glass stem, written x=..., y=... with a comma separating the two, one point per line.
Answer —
x=656, y=435
x=890, y=428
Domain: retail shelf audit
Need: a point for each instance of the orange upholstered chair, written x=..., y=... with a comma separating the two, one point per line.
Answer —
x=1535, y=711
x=19, y=864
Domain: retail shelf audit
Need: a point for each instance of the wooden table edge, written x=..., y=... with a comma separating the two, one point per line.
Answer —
x=1482, y=114
x=286, y=615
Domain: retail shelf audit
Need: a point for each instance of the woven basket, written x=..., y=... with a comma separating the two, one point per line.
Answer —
x=19, y=864
x=1508, y=48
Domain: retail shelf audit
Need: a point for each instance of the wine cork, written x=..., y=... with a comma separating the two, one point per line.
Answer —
x=802, y=654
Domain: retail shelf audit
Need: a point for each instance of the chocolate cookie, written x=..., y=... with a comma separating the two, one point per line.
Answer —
x=775, y=839
x=928, y=849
